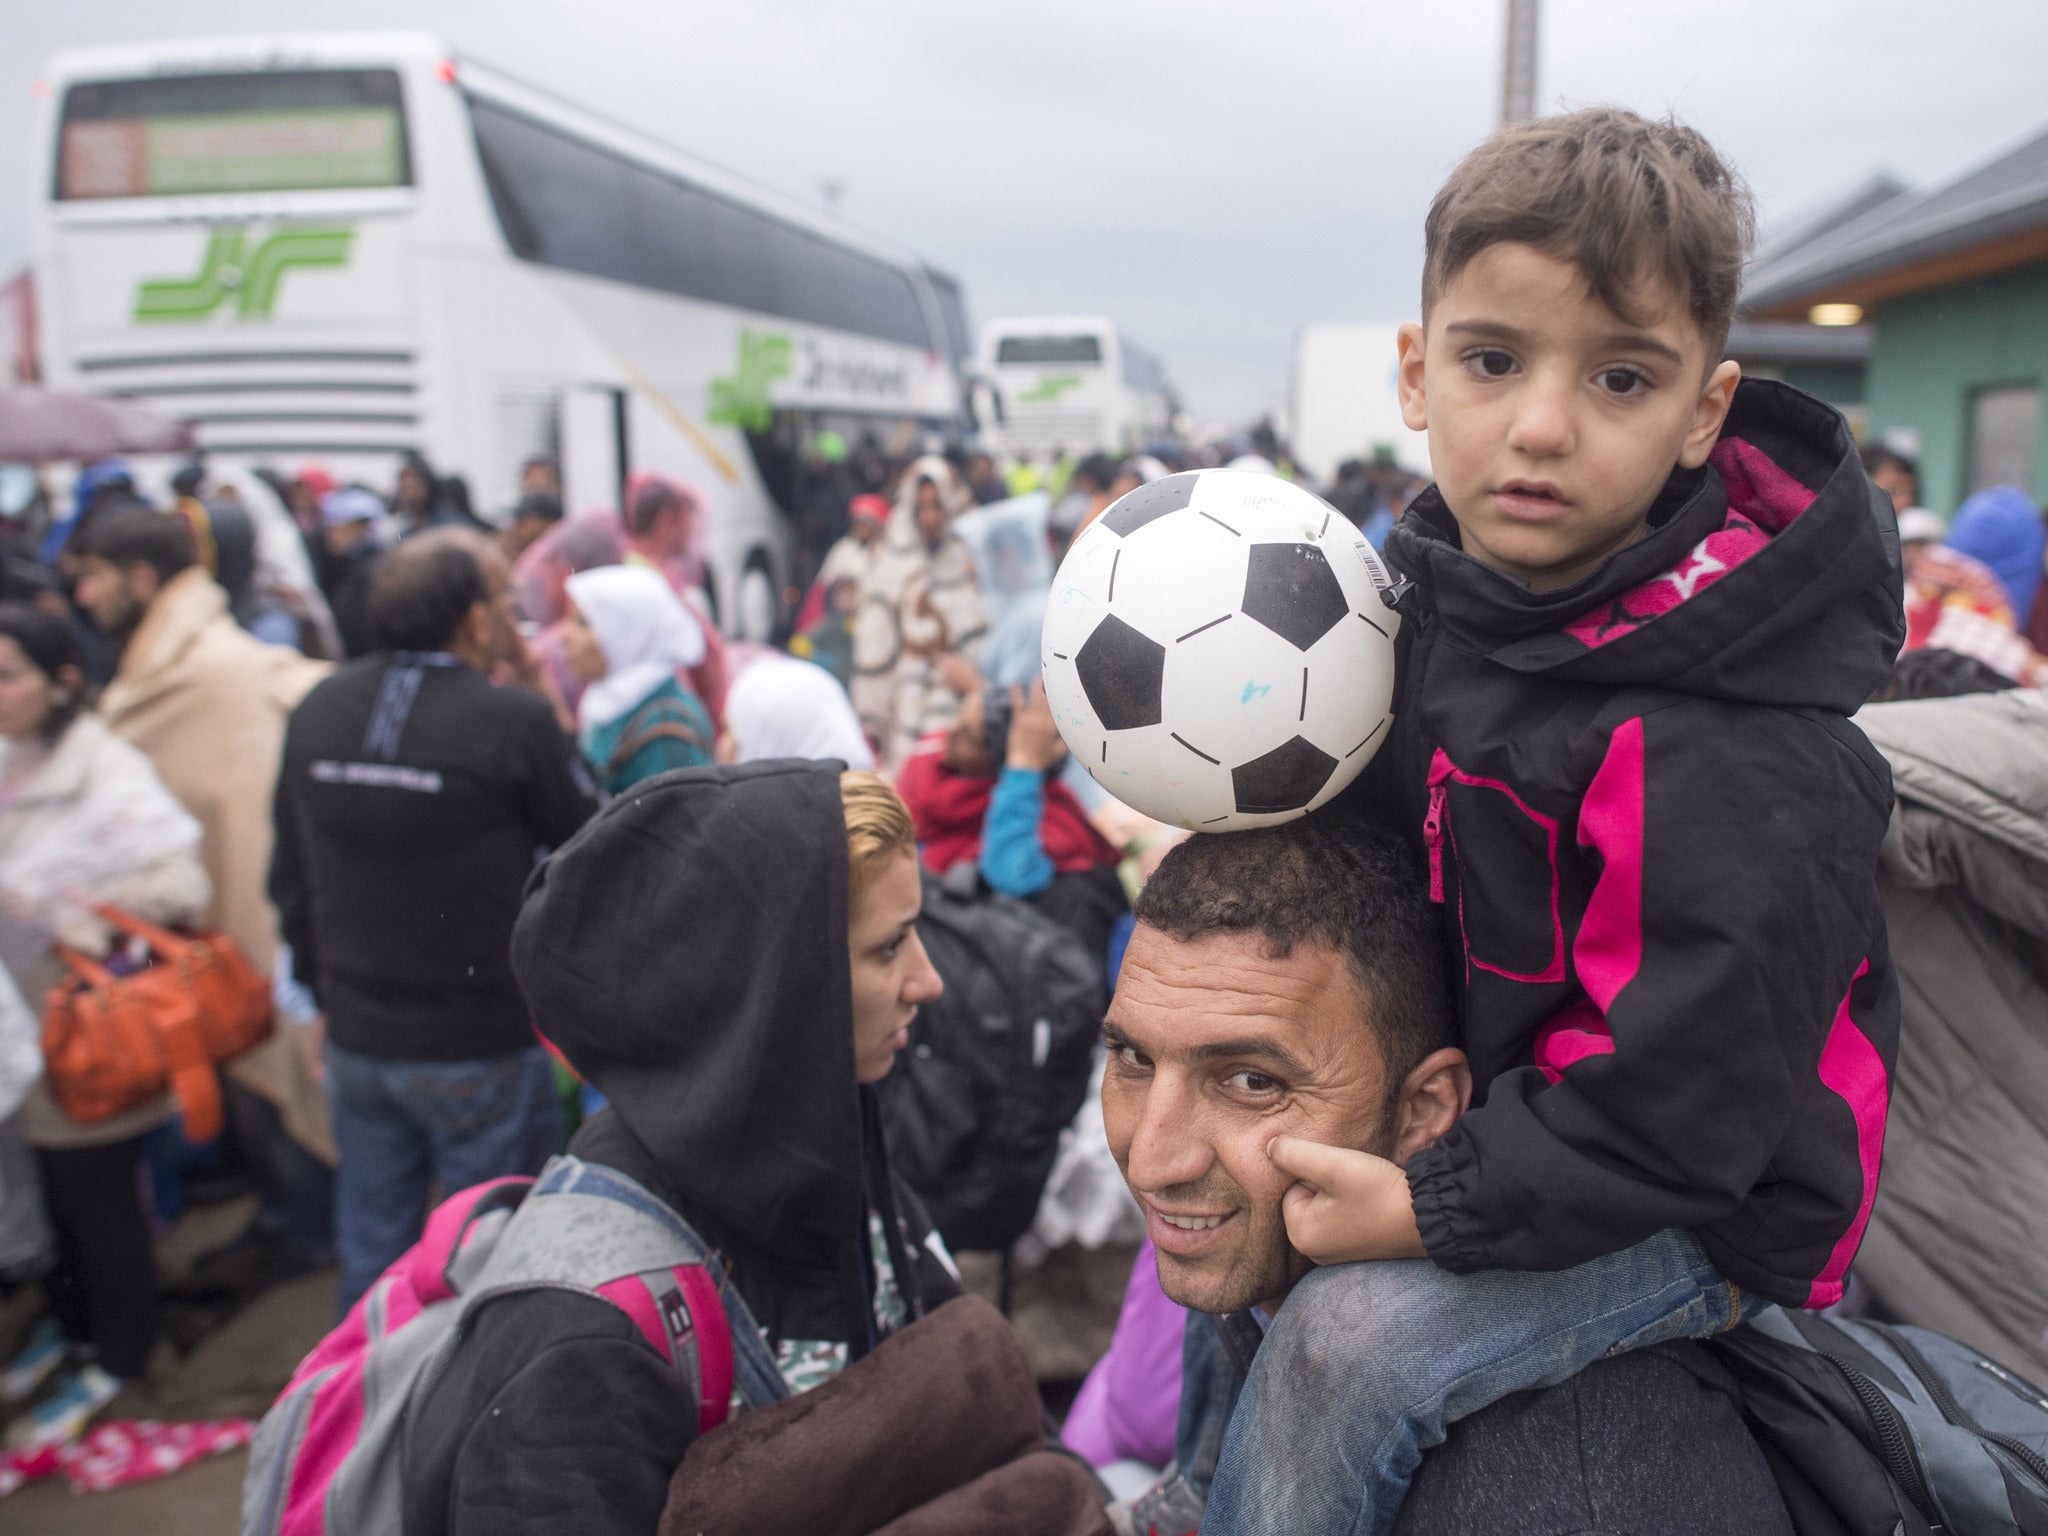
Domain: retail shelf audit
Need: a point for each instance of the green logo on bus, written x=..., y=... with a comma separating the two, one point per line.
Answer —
x=244, y=272
x=742, y=400
x=1049, y=389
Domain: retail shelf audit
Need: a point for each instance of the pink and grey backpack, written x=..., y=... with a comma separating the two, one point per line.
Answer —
x=326, y=1456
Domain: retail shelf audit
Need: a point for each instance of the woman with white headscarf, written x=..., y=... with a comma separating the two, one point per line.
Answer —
x=627, y=635
x=781, y=707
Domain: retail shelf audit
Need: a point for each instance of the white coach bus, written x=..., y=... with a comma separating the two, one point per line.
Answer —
x=1073, y=383
x=342, y=247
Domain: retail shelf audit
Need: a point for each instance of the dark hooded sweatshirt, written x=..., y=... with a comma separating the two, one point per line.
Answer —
x=1643, y=803
x=687, y=952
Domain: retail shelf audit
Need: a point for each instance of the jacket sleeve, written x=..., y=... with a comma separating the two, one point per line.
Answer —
x=560, y=792
x=1013, y=860
x=1734, y=908
x=584, y=1438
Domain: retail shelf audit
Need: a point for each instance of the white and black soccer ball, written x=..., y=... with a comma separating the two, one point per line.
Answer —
x=1217, y=651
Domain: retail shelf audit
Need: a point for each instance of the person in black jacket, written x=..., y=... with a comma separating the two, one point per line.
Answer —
x=1641, y=602
x=413, y=800
x=730, y=955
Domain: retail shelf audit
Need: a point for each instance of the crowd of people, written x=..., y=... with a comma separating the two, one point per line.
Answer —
x=792, y=974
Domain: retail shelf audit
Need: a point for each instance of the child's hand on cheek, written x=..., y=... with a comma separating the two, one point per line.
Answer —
x=1346, y=1206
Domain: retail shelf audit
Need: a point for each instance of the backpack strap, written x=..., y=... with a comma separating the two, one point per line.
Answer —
x=590, y=1228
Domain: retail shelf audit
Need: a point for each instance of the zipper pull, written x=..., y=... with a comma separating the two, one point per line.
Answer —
x=1440, y=770
x=1433, y=838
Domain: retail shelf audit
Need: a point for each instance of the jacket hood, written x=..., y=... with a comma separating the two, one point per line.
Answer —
x=1770, y=575
x=687, y=952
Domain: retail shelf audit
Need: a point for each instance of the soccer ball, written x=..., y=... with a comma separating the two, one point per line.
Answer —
x=1217, y=651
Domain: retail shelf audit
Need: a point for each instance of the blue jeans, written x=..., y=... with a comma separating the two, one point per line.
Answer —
x=400, y=1126
x=1366, y=1364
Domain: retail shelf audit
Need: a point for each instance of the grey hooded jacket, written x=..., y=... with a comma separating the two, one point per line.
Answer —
x=1958, y=1239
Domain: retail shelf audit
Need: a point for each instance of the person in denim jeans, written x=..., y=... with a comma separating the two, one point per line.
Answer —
x=1285, y=982
x=413, y=801
x=408, y=1126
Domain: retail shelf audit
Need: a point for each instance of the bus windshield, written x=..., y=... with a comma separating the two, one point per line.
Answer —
x=277, y=131
x=1049, y=349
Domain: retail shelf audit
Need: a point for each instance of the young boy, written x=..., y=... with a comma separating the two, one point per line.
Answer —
x=1646, y=598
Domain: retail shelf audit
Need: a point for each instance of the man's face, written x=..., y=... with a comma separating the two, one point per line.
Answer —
x=1215, y=1048
x=1897, y=482
x=115, y=598
x=930, y=514
x=967, y=741
x=1553, y=421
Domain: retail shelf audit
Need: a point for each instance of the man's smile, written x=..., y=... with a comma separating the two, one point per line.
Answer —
x=1183, y=1233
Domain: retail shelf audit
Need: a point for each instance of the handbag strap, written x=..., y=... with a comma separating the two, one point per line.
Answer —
x=162, y=942
x=83, y=966
x=193, y=1081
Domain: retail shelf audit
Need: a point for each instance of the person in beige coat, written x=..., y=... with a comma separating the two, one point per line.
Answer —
x=84, y=822
x=207, y=703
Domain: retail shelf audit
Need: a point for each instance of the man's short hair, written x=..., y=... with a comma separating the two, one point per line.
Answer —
x=135, y=535
x=1620, y=197
x=423, y=590
x=1328, y=880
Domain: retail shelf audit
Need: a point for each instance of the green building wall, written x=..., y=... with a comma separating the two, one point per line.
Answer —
x=1933, y=350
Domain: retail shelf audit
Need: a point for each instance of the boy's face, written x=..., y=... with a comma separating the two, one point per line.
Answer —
x=1553, y=421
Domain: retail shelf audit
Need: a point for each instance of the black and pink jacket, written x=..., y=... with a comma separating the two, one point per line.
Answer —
x=1655, y=832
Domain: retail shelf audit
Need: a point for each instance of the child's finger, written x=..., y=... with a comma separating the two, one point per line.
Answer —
x=1298, y=1210
x=1312, y=1162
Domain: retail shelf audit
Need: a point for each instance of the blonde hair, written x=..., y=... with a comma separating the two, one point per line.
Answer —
x=878, y=828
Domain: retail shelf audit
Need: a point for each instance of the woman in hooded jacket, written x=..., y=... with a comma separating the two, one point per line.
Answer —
x=627, y=638
x=84, y=822
x=919, y=603
x=730, y=955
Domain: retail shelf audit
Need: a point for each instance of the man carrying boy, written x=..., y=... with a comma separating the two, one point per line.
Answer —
x=1644, y=599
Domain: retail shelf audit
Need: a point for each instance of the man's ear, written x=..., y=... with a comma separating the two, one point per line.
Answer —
x=1408, y=381
x=1708, y=414
x=478, y=631
x=1431, y=1099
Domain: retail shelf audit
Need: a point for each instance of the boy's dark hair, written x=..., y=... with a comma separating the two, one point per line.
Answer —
x=423, y=590
x=1328, y=880
x=1622, y=198
x=136, y=535
x=50, y=646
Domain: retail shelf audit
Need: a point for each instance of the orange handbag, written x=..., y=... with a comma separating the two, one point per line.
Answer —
x=113, y=1042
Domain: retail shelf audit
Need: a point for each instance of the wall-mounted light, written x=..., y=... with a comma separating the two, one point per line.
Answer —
x=1836, y=314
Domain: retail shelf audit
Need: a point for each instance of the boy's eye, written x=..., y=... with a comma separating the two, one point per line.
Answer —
x=1491, y=362
x=1623, y=381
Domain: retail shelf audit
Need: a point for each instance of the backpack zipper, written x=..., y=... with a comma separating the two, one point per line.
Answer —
x=1954, y=1411
x=1895, y=1445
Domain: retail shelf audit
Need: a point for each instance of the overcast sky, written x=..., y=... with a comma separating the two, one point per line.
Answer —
x=1213, y=173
